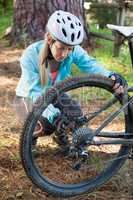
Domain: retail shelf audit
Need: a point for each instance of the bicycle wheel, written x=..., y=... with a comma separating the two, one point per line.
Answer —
x=50, y=170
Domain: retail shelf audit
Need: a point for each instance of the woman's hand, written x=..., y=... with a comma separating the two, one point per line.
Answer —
x=119, y=83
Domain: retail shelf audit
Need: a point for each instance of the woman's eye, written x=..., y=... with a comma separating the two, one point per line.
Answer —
x=61, y=48
x=64, y=49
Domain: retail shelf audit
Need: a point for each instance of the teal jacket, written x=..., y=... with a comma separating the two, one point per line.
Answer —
x=29, y=84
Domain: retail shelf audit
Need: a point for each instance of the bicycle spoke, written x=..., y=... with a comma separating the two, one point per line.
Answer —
x=104, y=107
x=51, y=168
x=62, y=166
x=101, y=152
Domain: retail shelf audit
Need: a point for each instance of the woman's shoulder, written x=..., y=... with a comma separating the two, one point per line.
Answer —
x=32, y=51
x=31, y=54
x=36, y=46
x=78, y=51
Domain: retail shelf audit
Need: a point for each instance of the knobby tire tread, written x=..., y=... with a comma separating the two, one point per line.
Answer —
x=61, y=191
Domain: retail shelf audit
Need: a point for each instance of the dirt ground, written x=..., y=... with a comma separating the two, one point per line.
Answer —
x=14, y=183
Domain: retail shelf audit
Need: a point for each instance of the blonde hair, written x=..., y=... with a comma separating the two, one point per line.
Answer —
x=43, y=62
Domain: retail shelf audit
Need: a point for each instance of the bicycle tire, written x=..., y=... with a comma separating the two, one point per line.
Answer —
x=59, y=190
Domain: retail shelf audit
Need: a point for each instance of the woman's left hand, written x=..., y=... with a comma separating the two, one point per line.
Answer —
x=119, y=83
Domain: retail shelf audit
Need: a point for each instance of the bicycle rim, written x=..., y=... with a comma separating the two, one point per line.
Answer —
x=53, y=172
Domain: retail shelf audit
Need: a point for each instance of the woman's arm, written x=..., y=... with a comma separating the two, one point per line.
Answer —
x=87, y=63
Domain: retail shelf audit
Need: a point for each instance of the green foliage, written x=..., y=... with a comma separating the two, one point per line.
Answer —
x=104, y=54
x=122, y=64
x=102, y=15
x=6, y=18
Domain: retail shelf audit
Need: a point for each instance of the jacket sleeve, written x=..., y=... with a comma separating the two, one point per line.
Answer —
x=30, y=74
x=33, y=82
x=88, y=64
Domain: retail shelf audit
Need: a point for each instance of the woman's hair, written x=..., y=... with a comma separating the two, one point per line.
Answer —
x=42, y=62
x=62, y=26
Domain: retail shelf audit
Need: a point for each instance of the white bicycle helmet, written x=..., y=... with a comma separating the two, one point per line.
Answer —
x=65, y=27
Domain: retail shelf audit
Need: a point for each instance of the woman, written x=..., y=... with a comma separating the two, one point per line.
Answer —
x=47, y=62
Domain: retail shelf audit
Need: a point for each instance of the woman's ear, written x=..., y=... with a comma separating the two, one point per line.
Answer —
x=49, y=38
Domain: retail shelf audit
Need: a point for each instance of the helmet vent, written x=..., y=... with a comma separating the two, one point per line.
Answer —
x=66, y=27
x=58, y=21
x=63, y=21
x=69, y=18
x=64, y=32
x=72, y=26
x=79, y=33
x=72, y=37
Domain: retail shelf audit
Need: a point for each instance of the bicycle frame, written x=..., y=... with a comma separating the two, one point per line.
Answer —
x=127, y=106
x=123, y=138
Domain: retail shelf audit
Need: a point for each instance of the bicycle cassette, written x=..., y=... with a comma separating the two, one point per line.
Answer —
x=82, y=137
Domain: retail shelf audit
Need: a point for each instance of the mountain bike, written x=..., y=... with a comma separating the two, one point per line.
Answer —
x=98, y=146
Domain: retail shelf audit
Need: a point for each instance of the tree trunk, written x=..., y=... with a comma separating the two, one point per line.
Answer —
x=30, y=16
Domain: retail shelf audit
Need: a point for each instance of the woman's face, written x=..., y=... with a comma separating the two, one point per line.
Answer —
x=59, y=50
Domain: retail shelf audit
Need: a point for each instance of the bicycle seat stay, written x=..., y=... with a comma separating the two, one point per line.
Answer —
x=126, y=31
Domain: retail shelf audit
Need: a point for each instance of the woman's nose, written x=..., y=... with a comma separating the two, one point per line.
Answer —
x=65, y=53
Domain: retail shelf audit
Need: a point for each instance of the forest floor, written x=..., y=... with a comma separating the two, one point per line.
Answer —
x=14, y=184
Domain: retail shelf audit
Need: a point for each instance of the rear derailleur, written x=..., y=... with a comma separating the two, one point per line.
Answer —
x=82, y=137
x=80, y=155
